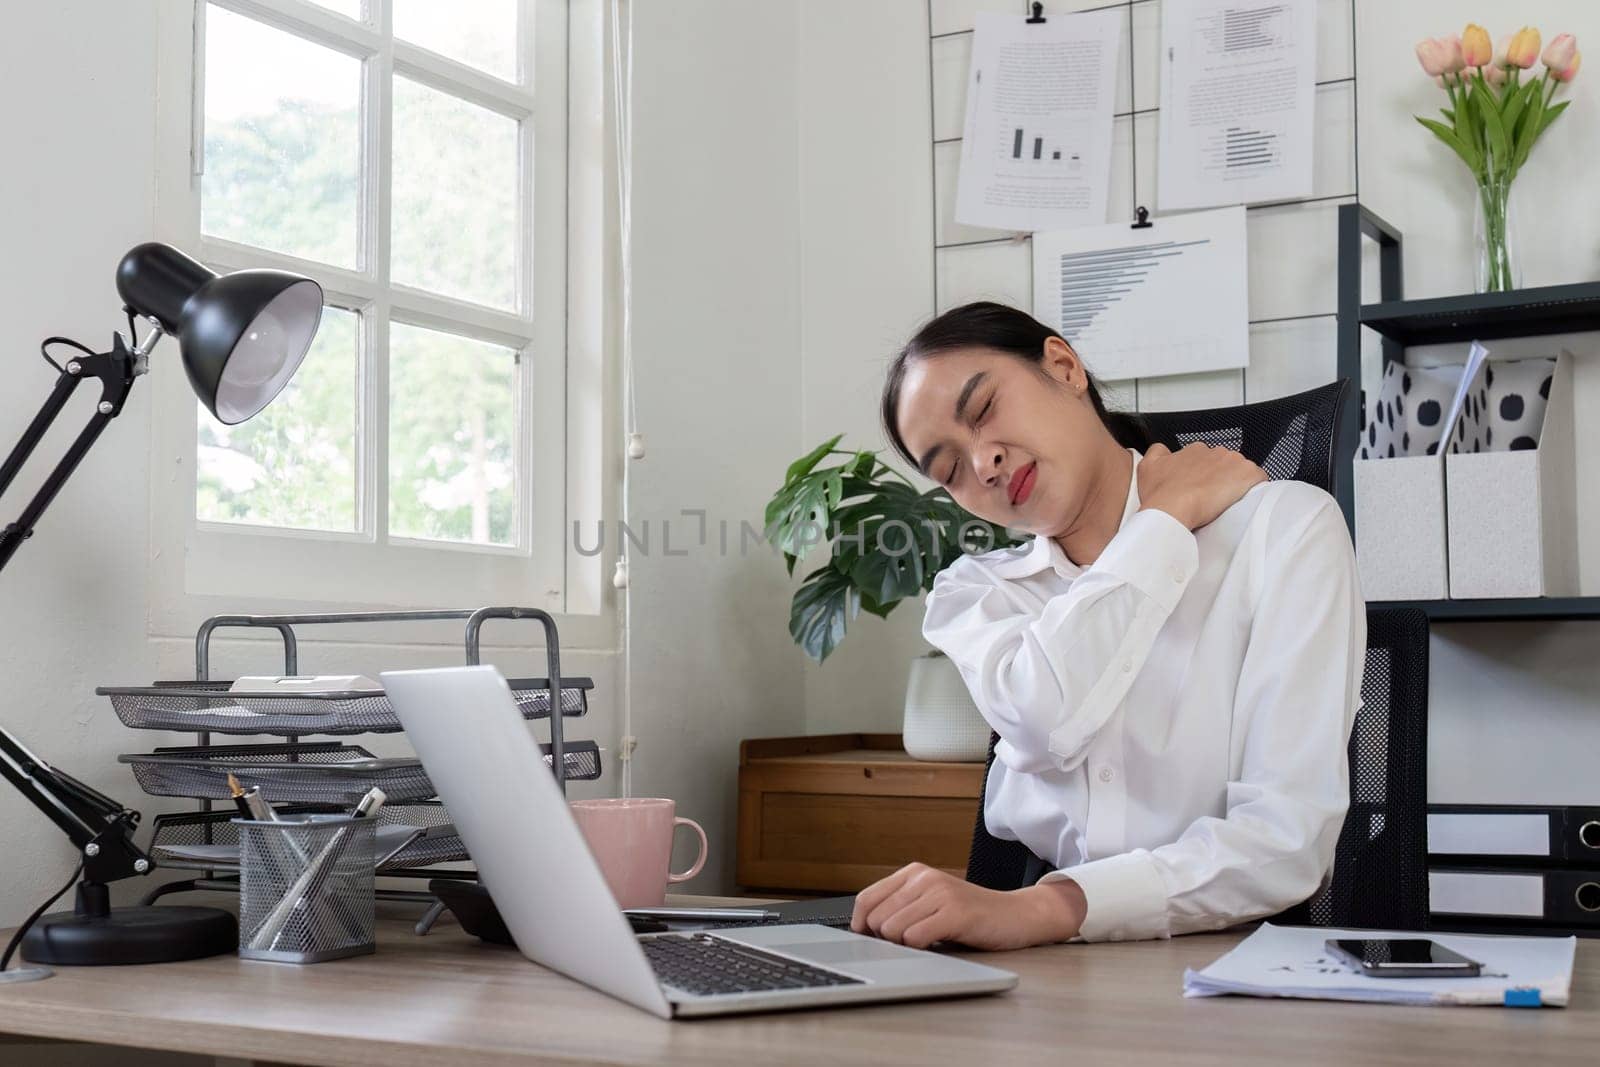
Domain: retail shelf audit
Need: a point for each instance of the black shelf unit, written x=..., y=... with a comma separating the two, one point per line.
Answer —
x=1511, y=609
x=1488, y=316
x=1442, y=320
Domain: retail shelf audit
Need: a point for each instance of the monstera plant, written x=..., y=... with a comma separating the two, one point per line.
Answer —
x=887, y=538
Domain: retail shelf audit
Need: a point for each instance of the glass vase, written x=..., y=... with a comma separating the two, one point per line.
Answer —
x=1494, y=226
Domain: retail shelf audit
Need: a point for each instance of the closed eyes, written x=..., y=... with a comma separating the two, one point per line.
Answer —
x=955, y=468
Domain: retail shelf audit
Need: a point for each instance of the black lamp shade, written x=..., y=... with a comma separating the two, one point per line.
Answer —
x=242, y=335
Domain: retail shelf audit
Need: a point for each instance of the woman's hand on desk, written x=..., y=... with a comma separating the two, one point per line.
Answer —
x=1195, y=484
x=918, y=905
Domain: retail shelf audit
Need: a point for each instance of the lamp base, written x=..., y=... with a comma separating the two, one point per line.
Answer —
x=131, y=935
x=25, y=974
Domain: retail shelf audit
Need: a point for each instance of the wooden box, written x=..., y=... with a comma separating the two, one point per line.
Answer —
x=835, y=813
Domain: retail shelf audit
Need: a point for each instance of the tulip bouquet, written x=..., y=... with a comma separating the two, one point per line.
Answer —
x=1495, y=116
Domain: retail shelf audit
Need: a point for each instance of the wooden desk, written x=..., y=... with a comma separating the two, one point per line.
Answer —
x=446, y=998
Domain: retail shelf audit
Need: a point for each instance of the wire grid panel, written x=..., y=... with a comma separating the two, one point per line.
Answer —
x=306, y=889
x=1292, y=345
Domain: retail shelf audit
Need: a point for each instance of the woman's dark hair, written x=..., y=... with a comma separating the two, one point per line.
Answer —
x=985, y=324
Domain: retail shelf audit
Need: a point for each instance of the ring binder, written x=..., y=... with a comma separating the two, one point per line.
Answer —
x=1567, y=897
x=1511, y=834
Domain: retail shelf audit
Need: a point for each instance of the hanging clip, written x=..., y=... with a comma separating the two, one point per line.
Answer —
x=1141, y=218
x=1038, y=15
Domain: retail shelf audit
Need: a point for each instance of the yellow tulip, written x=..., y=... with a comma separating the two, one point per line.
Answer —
x=1476, y=48
x=1523, y=51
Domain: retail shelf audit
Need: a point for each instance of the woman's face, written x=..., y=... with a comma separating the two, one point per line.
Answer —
x=1011, y=446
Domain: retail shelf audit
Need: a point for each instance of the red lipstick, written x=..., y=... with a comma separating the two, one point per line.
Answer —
x=1022, y=484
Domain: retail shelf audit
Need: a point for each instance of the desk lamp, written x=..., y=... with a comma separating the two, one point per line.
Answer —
x=241, y=336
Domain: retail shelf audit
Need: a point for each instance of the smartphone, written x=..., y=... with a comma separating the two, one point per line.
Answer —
x=1404, y=958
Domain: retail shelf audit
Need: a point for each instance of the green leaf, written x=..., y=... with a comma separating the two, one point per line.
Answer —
x=872, y=607
x=857, y=503
x=1514, y=105
x=1550, y=115
x=1489, y=113
x=821, y=611
x=1532, y=124
x=802, y=466
x=1468, y=155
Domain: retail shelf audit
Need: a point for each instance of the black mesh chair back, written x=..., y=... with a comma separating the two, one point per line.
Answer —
x=1291, y=437
x=1380, y=870
x=1380, y=876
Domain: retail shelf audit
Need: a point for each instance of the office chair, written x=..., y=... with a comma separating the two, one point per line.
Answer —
x=1380, y=874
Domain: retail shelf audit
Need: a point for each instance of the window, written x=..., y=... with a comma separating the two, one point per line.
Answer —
x=412, y=157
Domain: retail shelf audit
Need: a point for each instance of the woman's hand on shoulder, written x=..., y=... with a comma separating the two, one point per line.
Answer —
x=919, y=905
x=1195, y=484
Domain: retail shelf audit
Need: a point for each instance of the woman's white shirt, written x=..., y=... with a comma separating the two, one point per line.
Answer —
x=1173, y=718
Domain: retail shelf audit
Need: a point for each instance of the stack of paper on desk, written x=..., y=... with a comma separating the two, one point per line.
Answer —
x=1290, y=961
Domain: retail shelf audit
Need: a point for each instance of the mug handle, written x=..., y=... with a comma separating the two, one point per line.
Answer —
x=705, y=850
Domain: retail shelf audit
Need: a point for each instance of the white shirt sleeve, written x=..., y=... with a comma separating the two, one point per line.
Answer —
x=1048, y=680
x=1295, y=705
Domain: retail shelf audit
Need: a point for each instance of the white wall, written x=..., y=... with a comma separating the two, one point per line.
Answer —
x=867, y=280
x=77, y=193
x=716, y=328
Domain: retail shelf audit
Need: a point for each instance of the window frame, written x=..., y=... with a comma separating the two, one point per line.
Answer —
x=562, y=405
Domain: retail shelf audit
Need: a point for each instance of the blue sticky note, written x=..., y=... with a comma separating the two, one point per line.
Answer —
x=1525, y=997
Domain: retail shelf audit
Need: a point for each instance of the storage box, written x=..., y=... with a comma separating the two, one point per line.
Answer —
x=1400, y=528
x=1512, y=515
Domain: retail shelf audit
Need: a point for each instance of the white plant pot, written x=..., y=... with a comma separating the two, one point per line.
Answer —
x=941, y=721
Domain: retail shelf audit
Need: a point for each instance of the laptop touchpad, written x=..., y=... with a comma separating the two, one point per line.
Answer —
x=847, y=950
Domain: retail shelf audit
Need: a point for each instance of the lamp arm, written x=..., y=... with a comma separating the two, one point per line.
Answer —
x=99, y=827
x=116, y=371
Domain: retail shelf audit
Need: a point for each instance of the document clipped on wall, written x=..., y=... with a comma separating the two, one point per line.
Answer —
x=1238, y=84
x=1036, y=147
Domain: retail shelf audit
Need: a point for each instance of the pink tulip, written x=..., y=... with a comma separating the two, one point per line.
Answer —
x=1523, y=49
x=1572, y=69
x=1433, y=55
x=1559, y=53
x=1476, y=51
x=1495, y=74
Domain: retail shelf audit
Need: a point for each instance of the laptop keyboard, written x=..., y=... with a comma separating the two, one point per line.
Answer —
x=700, y=964
x=837, y=922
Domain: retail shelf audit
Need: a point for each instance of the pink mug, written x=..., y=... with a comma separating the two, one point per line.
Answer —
x=631, y=839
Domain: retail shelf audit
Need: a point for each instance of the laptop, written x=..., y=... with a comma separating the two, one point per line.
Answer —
x=490, y=773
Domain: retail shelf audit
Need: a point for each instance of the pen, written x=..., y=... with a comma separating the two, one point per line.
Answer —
x=239, y=801
x=251, y=806
x=370, y=803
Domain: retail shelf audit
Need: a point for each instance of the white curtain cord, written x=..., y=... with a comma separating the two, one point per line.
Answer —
x=622, y=103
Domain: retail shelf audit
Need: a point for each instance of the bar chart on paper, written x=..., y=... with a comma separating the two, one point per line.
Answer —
x=1139, y=303
x=1237, y=101
x=1021, y=146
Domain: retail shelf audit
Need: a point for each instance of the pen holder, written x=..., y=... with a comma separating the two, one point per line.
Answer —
x=306, y=888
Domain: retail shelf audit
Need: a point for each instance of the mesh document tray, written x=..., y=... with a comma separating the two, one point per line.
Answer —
x=320, y=773
x=408, y=836
x=209, y=707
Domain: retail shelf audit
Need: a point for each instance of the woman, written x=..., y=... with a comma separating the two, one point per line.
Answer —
x=1172, y=663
